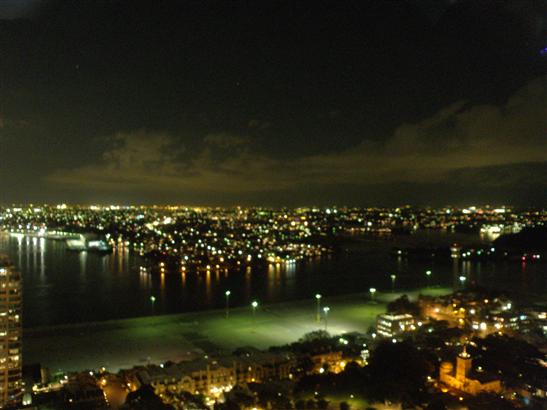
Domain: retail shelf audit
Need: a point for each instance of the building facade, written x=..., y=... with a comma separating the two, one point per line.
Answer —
x=464, y=380
x=10, y=335
x=388, y=325
x=212, y=376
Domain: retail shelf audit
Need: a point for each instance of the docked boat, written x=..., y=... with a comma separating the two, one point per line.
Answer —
x=82, y=244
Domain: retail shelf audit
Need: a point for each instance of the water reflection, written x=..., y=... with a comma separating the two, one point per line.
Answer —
x=83, y=259
x=27, y=252
x=62, y=286
x=208, y=286
x=34, y=252
x=42, y=258
x=248, y=289
x=271, y=280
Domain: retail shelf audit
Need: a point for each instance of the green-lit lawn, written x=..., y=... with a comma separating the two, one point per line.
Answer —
x=125, y=343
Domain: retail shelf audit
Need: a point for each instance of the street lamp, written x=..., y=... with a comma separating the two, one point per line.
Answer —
x=372, y=292
x=254, y=305
x=152, y=299
x=227, y=293
x=428, y=274
x=318, y=302
x=326, y=311
x=393, y=277
x=462, y=280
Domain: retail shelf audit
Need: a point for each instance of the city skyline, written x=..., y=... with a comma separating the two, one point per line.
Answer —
x=380, y=103
x=270, y=205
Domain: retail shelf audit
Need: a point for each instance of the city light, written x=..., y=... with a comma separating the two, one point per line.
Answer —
x=297, y=153
x=254, y=305
x=427, y=275
x=227, y=294
x=326, y=311
x=318, y=307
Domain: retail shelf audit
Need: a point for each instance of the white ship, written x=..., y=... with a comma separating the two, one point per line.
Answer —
x=81, y=244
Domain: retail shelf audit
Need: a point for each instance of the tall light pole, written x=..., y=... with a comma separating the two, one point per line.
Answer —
x=227, y=294
x=427, y=275
x=318, y=310
x=254, y=305
x=372, y=292
x=326, y=310
x=153, y=300
x=393, y=277
x=462, y=280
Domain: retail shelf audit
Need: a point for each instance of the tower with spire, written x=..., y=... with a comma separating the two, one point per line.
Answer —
x=463, y=379
x=463, y=364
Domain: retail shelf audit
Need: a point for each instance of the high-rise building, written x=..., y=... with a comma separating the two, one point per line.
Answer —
x=10, y=335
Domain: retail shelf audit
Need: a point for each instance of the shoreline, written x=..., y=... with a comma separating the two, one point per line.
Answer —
x=381, y=296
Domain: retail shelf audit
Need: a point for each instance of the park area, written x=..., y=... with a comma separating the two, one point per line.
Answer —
x=156, y=339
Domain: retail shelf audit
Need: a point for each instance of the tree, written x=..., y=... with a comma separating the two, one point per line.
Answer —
x=436, y=404
x=322, y=404
x=403, y=305
x=314, y=336
x=300, y=404
x=241, y=396
x=144, y=399
x=511, y=357
x=344, y=405
x=397, y=372
x=271, y=395
x=310, y=404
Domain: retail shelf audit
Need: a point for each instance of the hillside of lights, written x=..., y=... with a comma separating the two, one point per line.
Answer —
x=195, y=238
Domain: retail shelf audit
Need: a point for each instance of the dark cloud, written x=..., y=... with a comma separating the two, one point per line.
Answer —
x=476, y=147
x=276, y=102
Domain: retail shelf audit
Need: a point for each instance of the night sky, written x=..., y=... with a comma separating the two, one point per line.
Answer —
x=273, y=103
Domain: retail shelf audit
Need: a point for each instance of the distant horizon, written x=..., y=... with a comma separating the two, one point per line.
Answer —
x=322, y=207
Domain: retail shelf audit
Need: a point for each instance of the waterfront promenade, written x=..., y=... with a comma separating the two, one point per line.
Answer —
x=156, y=339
